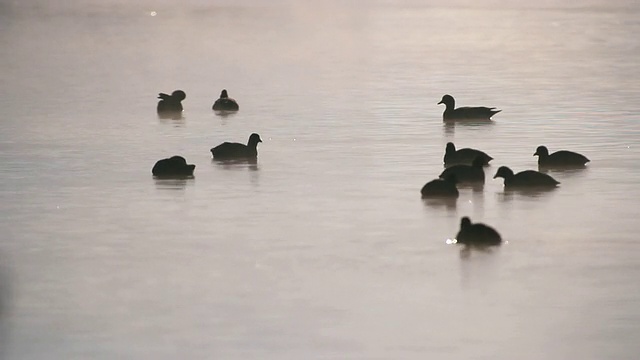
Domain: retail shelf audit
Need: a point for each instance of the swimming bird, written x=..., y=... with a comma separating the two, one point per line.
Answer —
x=477, y=234
x=473, y=173
x=173, y=166
x=464, y=156
x=225, y=103
x=171, y=103
x=229, y=150
x=465, y=113
x=441, y=187
x=559, y=158
x=525, y=179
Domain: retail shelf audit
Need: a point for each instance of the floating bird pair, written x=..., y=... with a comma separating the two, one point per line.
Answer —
x=169, y=104
x=176, y=166
x=532, y=178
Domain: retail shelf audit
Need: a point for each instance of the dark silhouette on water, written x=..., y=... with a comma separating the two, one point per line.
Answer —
x=470, y=174
x=464, y=156
x=231, y=151
x=525, y=179
x=173, y=182
x=171, y=102
x=225, y=103
x=175, y=166
x=441, y=188
x=561, y=158
x=449, y=127
x=465, y=113
x=250, y=163
x=477, y=235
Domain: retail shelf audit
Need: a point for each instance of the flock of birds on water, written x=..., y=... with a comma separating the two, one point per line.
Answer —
x=462, y=166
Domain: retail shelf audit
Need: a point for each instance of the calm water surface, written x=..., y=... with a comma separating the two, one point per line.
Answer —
x=323, y=249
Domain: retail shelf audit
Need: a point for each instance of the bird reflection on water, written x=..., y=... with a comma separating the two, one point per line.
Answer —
x=171, y=115
x=441, y=202
x=449, y=127
x=566, y=171
x=250, y=163
x=224, y=115
x=174, y=183
x=509, y=194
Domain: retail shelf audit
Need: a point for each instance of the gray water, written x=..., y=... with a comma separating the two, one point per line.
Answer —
x=323, y=249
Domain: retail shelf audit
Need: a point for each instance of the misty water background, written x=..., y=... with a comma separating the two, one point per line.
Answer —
x=323, y=249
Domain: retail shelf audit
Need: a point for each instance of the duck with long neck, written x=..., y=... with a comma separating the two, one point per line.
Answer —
x=465, y=113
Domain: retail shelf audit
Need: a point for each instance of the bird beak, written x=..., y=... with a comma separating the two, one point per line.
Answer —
x=495, y=176
x=439, y=102
x=535, y=153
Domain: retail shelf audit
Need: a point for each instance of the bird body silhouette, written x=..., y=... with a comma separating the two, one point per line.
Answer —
x=473, y=173
x=477, y=234
x=451, y=113
x=559, y=158
x=464, y=156
x=171, y=103
x=441, y=188
x=229, y=150
x=173, y=166
x=525, y=179
x=225, y=103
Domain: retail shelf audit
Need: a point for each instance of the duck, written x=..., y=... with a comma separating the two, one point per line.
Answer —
x=441, y=188
x=559, y=158
x=464, y=156
x=525, y=179
x=171, y=103
x=173, y=166
x=225, y=103
x=473, y=173
x=477, y=234
x=465, y=113
x=230, y=151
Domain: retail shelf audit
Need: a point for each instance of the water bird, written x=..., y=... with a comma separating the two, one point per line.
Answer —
x=473, y=173
x=465, y=113
x=173, y=166
x=525, y=179
x=171, y=103
x=478, y=234
x=441, y=188
x=559, y=158
x=225, y=103
x=464, y=156
x=230, y=151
